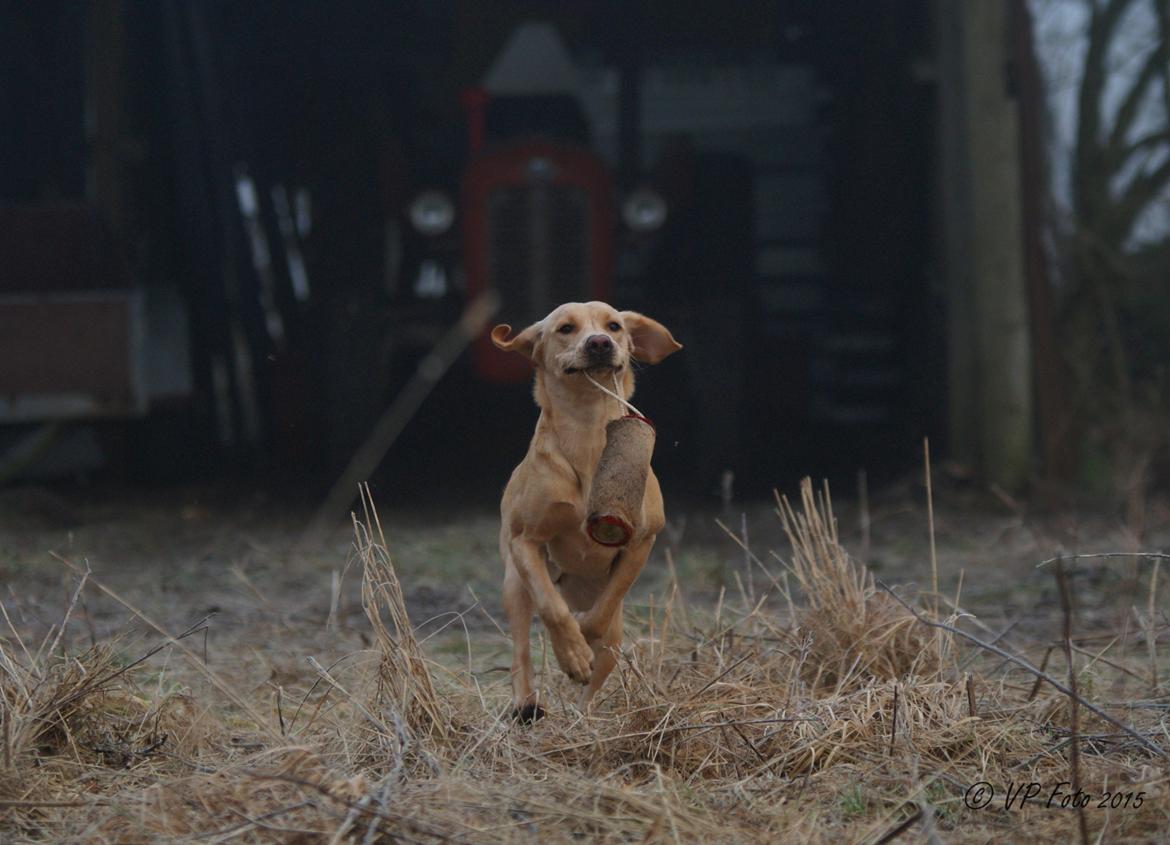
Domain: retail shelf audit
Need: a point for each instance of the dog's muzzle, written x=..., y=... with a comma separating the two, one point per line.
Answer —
x=599, y=355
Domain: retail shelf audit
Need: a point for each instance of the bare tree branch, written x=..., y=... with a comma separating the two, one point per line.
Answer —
x=1162, y=13
x=1144, y=189
x=1128, y=110
x=1088, y=177
x=1153, y=139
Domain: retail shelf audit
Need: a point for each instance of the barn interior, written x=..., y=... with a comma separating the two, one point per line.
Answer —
x=235, y=235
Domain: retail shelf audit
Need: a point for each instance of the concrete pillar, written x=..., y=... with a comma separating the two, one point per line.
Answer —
x=990, y=366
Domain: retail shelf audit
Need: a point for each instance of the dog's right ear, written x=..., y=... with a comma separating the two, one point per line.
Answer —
x=524, y=343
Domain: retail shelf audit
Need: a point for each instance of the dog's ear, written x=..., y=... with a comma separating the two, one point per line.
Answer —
x=524, y=343
x=652, y=341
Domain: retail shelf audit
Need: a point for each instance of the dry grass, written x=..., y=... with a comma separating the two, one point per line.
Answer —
x=821, y=714
x=856, y=633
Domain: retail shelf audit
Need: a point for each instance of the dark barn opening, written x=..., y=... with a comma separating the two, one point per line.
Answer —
x=266, y=175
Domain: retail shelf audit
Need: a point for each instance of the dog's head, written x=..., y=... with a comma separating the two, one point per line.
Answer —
x=594, y=337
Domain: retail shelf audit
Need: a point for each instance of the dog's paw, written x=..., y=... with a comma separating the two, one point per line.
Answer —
x=527, y=714
x=574, y=656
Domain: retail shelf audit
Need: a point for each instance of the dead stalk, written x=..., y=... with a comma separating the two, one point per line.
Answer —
x=1073, y=699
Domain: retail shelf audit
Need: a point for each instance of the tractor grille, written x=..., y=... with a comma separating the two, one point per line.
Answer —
x=538, y=247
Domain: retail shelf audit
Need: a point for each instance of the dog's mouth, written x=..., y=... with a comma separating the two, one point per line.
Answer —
x=594, y=368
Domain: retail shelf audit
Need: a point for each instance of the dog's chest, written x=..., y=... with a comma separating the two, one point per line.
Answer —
x=575, y=553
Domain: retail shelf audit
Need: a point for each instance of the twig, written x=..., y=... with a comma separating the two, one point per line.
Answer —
x=69, y=610
x=933, y=551
x=95, y=684
x=1151, y=637
x=748, y=741
x=383, y=798
x=863, y=514
x=1024, y=664
x=660, y=729
x=1074, y=756
x=894, y=722
x=901, y=827
x=1099, y=657
x=930, y=523
x=997, y=638
x=389, y=816
x=747, y=559
x=1027, y=764
x=261, y=822
x=95, y=803
x=279, y=694
x=1040, y=679
x=1098, y=555
x=749, y=554
x=215, y=680
x=718, y=678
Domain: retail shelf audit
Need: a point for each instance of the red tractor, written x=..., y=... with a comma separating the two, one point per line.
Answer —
x=538, y=228
x=537, y=207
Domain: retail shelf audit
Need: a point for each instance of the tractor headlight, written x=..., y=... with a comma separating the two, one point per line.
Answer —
x=644, y=210
x=432, y=213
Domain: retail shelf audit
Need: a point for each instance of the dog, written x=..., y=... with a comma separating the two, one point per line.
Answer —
x=551, y=566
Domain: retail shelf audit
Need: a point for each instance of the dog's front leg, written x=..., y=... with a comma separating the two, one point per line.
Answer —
x=572, y=652
x=605, y=658
x=596, y=622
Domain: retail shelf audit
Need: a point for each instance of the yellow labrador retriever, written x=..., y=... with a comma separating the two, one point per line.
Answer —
x=575, y=584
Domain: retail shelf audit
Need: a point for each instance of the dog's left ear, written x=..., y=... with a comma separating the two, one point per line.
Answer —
x=524, y=343
x=652, y=341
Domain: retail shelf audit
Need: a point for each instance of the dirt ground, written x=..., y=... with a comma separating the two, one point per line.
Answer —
x=179, y=555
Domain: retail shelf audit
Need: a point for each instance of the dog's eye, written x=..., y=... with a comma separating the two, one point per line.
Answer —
x=567, y=328
x=615, y=327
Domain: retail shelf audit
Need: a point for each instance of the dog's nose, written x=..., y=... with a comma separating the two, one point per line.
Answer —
x=599, y=344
